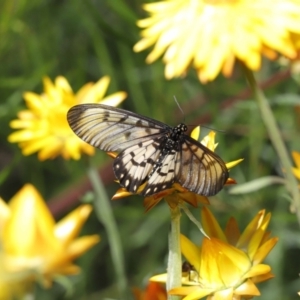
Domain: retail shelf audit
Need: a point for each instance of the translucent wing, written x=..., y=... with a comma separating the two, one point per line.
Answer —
x=133, y=165
x=145, y=163
x=112, y=129
x=194, y=166
x=164, y=176
x=200, y=170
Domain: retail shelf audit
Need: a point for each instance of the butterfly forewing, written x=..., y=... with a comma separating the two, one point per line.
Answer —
x=111, y=129
x=151, y=153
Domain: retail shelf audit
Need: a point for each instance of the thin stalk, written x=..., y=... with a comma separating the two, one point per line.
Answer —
x=276, y=139
x=193, y=219
x=105, y=214
x=174, y=259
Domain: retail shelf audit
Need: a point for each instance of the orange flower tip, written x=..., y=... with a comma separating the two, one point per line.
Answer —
x=179, y=188
x=150, y=202
x=121, y=193
x=233, y=163
x=261, y=278
x=112, y=154
x=230, y=181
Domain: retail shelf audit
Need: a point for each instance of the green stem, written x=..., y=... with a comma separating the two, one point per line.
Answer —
x=105, y=214
x=174, y=259
x=193, y=219
x=276, y=139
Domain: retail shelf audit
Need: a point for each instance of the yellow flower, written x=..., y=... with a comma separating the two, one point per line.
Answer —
x=210, y=35
x=33, y=247
x=229, y=264
x=43, y=128
x=178, y=194
x=296, y=157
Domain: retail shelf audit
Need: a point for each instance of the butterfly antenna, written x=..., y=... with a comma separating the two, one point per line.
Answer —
x=207, y=127
x=214, y=129
x=179, y=108
x=217, y=130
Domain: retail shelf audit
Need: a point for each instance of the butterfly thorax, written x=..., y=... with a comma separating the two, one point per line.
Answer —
x=169, y=144
x=177, y=131
x=174, y=138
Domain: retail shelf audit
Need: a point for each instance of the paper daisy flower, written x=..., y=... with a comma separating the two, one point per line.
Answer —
x=229, y=264
x=43, y=127
x=210, y=35
x=33, y=246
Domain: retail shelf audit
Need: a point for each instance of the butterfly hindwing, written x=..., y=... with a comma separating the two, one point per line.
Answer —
x=146, y=163
x=163, y=176
x=134, y=164
x=201, y=170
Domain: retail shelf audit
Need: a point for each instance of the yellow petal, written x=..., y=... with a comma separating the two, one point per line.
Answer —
x=296, y=158
x=233, y=163
x=226, y=294
x=30, y=222
x=247, y=288
x=209, y=141
x=258, y=235
x=195, y=133
x=250, y=230
x=263, y=277
x=96, y=91
x=210, y=225
x=257, y=271
x=222, y=264
x=62, y=83
x=159, y=278
x=121, y=193
x=114, y=99
x=192, y=292
x=296, y=173
x=33, y=101
x=69, y=227
x=264, y=250
x=190, y=251
x=82, y=244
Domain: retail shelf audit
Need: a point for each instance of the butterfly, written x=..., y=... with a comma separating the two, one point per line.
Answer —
x=150, y=153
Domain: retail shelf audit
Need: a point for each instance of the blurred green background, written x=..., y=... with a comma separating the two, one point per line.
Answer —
x=85, y=40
